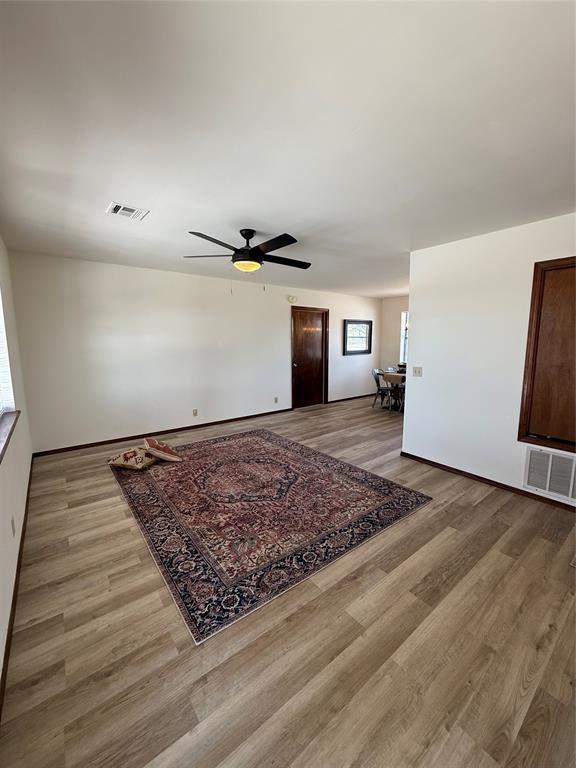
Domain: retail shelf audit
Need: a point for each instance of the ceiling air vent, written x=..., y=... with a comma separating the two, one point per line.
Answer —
x=551, y=473
x=128, y=211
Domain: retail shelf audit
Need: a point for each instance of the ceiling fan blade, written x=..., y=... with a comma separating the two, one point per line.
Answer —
x=213, y=240
x=287, y=262
x=209, y=256
x=277, y=242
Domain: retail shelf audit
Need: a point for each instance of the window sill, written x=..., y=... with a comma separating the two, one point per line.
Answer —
x=7, y=423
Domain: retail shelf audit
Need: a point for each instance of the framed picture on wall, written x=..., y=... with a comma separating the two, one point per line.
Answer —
x=357, y=337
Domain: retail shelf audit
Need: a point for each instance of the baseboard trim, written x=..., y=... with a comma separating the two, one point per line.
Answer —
x=354, y=397
x=495, y=483
x=155, y=432
x=10, y=630
x=79, y=447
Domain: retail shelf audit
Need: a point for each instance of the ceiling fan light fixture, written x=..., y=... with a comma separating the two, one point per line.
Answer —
x=247, y=265
x=250, y=258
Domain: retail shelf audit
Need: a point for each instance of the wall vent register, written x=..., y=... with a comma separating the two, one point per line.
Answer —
x=551, y=473
x=128, y=211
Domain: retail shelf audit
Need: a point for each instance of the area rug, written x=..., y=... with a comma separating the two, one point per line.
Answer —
x=245, y=517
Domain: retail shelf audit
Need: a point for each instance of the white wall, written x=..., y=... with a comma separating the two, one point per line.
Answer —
x=110, y=350
x=390, y=313
x=469, y=307
x=15, y=466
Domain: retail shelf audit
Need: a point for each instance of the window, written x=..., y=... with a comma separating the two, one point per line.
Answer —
x=6, y=394
x=357, y=337
x=404, y=318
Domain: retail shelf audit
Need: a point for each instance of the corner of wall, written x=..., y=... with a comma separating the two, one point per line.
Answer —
x=14, y=469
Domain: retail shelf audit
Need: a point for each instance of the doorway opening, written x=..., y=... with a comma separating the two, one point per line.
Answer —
x=309, y=356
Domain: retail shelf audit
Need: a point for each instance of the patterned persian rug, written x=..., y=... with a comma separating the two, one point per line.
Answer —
x=247, y=516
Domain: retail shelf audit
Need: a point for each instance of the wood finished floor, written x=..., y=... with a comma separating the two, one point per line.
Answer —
x=444, y=642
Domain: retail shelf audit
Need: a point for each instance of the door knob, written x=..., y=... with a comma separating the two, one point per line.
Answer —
x=295, y=365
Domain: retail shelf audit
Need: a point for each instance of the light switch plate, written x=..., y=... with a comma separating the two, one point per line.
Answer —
x=416, y=370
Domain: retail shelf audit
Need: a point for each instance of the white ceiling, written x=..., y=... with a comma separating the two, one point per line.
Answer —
x=366, y=130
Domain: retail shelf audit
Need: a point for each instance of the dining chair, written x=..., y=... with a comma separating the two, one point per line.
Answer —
x=382, y=391
x=395, y=382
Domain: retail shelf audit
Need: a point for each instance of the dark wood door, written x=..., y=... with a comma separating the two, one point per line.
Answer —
x=309, y=356
x=548, y=409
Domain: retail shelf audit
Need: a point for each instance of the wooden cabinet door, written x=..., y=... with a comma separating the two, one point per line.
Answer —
x=548, y=415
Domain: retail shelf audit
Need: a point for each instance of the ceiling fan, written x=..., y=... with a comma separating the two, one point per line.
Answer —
x=250, y=258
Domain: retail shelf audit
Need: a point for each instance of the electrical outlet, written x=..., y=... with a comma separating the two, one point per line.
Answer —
x=13, y=526
x=195, y=412
x=416, y=371
x=275, y=399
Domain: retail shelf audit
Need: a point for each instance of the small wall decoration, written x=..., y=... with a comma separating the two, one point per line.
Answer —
x=357, y=337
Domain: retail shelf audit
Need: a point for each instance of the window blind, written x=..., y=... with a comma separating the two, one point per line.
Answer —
x=6, y=393
x=404, y=318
